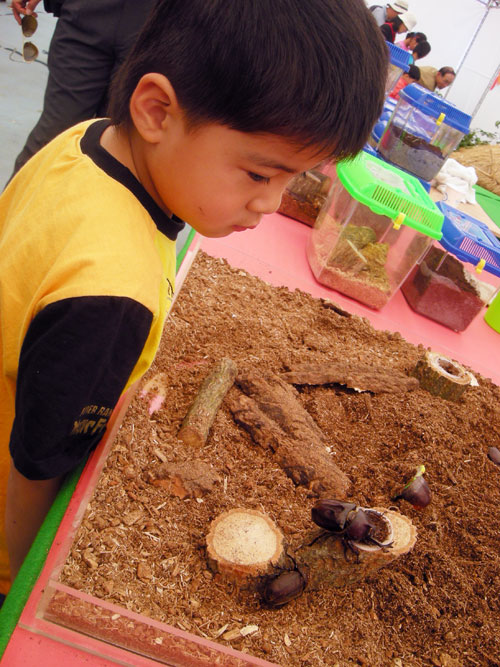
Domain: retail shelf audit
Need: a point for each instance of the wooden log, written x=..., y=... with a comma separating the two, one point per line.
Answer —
x=246, y=548
x=243, y=545
x=201, y=415
x=279, y=401
x=329, y=564
x=305, y=460
x=354, y=375
x=441, y=376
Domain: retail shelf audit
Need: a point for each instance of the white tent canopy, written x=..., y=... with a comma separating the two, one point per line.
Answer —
x=464, y=34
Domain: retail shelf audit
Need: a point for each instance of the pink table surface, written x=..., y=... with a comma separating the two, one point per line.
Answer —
x=275, y=252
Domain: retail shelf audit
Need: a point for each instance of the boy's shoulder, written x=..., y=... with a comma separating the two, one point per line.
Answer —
x=64, y=191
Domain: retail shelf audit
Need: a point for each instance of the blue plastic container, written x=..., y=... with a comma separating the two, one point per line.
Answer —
x=422, y=132
x=444, y=286
x=469, y=239
x=400, y=61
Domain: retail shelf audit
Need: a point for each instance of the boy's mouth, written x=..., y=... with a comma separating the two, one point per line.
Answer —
x=242, y=228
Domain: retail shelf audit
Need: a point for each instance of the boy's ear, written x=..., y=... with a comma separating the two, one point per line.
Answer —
x=153, y=106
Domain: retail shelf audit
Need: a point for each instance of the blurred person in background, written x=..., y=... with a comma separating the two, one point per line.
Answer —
x=391, y=10
x=421, y=50
x=412, y=76
x=90, y=41
x=432, y=78
x=411, y=40
x=402, y=23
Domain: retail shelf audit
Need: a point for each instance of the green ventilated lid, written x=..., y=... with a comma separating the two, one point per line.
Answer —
x=387, y=190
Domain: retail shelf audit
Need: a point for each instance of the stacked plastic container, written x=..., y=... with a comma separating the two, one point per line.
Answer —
x=306, y=194
x=422, y=132
x=400, y=61
x=376, y=225
x=444, y=284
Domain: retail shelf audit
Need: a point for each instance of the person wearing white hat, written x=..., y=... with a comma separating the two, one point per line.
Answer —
x=383, y=14
x=402, y=23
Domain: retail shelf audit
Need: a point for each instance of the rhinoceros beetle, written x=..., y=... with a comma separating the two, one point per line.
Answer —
x=284, y=587
x=347, y=520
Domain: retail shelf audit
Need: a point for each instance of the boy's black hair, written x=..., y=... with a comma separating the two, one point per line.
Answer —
x=310, y=70
x=419, y=36
x=422, y=49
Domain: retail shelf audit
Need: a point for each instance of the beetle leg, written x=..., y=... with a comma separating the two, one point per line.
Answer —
x=379, y=544
x=324, y=533
x=348, y=544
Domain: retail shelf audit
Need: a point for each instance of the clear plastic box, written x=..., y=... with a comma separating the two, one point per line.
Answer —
x=446, y=289
x=399, y=63
x=377, y=224
x=306, y=194
x=422, y=132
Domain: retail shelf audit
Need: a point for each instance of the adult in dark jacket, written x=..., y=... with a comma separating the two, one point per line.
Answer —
x=90, y=41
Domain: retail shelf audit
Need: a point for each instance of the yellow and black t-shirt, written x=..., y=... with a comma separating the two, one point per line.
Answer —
x=87, y=267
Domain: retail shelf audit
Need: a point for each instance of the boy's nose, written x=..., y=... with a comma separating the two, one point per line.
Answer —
x=267, y=202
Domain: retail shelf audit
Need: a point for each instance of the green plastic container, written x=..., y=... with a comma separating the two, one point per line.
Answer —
x=492, y=316
x=375, y=226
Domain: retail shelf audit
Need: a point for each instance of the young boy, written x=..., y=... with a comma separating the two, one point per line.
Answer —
x=217, y=107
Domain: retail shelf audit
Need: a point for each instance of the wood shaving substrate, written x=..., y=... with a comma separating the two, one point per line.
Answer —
x=142, y=547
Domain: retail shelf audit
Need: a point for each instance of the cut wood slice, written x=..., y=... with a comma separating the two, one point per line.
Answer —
x=442, y=376
x=330, y=563
x=243, y=545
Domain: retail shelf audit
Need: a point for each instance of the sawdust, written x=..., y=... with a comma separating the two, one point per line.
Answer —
x=141, y=545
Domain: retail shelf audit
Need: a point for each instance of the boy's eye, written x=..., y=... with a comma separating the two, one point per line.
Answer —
x=258, y=178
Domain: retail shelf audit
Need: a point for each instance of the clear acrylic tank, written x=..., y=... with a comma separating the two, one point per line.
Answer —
x=444, y=286
x=399, y=63
x=422, y=132
x=376, y=225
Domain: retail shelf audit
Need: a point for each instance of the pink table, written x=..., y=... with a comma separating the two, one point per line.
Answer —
x=276, y=253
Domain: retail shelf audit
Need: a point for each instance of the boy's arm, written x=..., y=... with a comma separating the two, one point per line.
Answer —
x=76, y=359
x=28, y=501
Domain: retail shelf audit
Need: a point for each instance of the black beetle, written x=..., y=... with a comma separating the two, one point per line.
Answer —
x=346, y=519
x=284, y=587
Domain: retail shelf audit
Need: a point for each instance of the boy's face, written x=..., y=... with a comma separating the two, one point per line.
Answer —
x=220, y=180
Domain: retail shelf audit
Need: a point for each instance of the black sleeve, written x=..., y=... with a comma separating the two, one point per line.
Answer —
x=75, y=360
x=53, y=6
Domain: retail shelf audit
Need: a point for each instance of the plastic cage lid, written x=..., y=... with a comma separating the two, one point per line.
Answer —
x=399, y=57
x=469, y=239
x=387, y=190
x=434, y=105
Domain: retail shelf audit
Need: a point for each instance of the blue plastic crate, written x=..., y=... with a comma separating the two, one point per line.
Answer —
x=399, y=57
x=469, y=239
x=434, y=106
